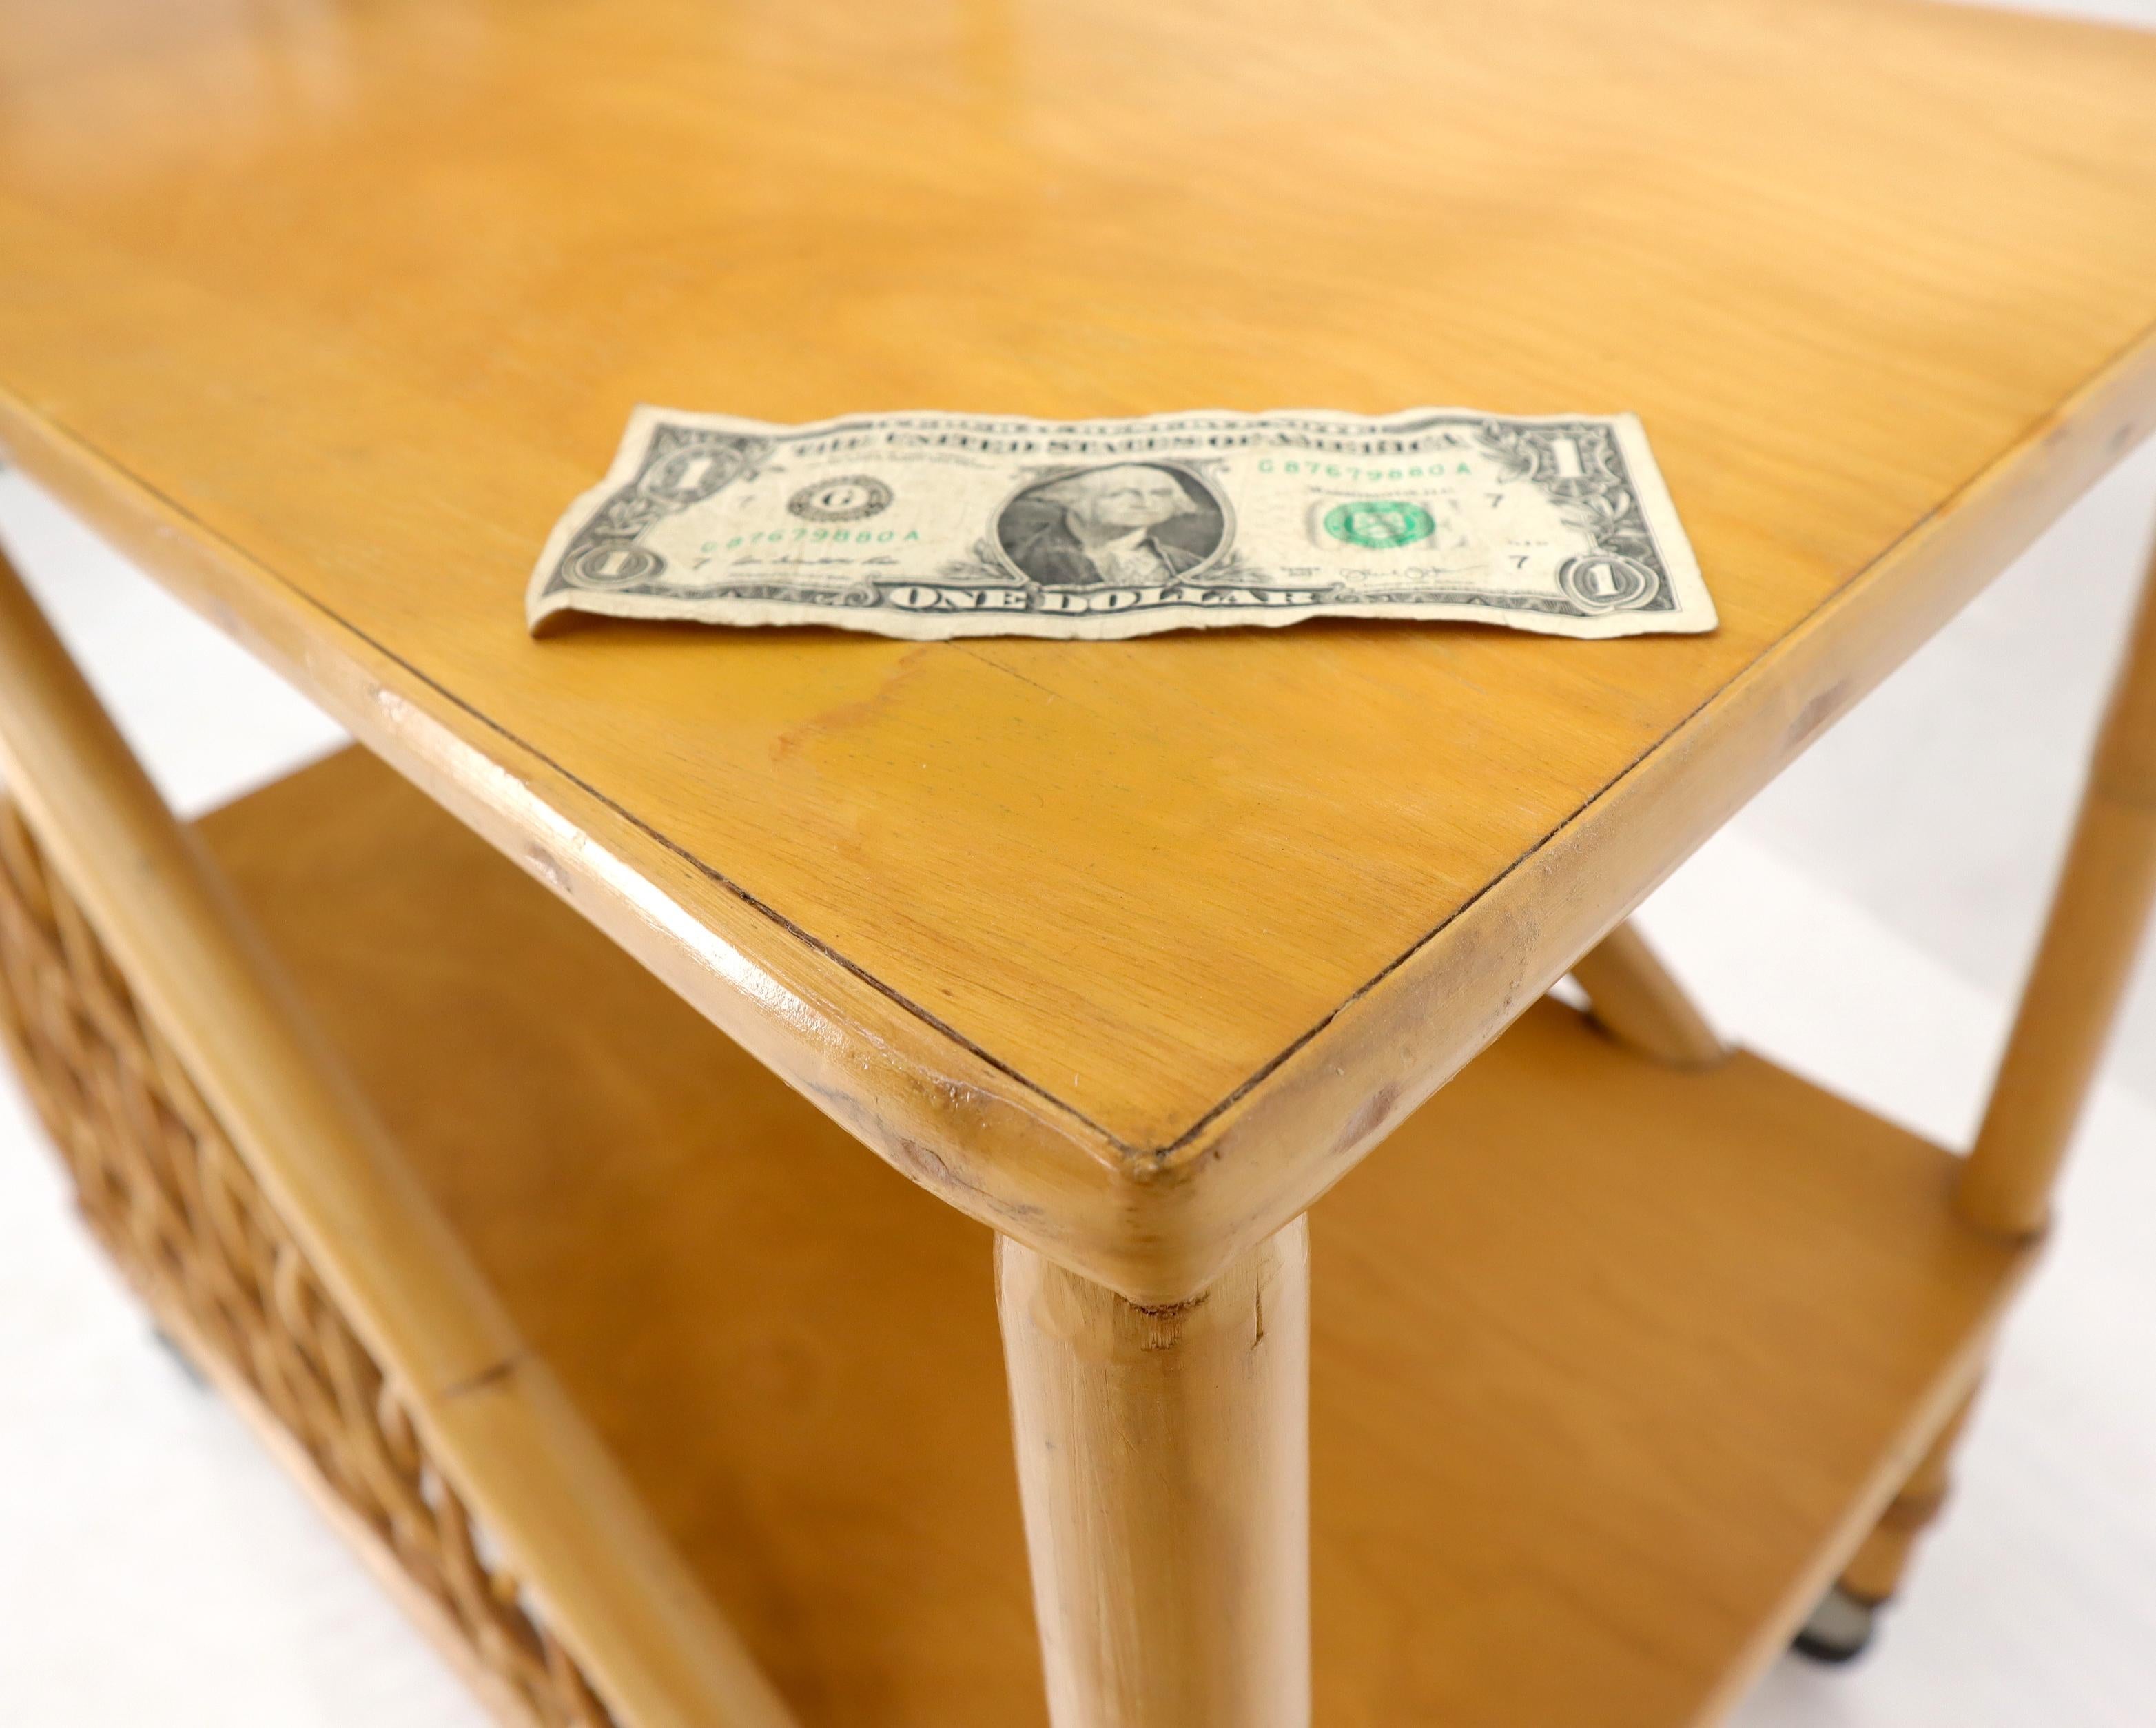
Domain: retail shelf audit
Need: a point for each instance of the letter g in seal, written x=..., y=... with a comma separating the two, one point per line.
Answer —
x=849, y=498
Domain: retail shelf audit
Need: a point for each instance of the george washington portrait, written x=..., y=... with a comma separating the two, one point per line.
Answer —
x=1134, y=524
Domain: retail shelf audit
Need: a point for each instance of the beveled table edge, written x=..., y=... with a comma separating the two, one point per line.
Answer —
x=1310, y=1116
x=1156, y=1223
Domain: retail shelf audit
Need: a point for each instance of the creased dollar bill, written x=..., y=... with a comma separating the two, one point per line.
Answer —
x=929, y=525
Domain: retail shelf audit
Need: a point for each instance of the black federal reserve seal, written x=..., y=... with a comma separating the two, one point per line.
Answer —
x=847, y=499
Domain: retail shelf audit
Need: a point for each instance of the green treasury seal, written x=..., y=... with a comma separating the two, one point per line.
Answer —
x=1378, y=522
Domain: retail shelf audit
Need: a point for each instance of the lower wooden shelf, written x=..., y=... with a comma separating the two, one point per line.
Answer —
x=1612, y=1363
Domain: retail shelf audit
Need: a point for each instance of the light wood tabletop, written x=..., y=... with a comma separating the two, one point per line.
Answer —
x=1129, y=949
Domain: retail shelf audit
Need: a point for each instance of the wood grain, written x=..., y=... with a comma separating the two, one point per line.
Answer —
x=1613, y=1364
x=1129, y=949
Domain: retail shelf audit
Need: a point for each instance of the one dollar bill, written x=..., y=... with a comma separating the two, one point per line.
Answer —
x=929, y=525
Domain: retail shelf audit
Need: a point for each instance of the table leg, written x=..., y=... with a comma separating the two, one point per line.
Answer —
x=1636, y=999
x=1876, y=1572
x=2084, y=963
x=1163, y=1462
x=1841, y=1625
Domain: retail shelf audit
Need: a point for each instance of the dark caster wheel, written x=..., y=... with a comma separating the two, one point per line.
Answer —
x=1840, y=1629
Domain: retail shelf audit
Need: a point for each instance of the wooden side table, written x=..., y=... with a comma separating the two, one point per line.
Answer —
x=528, y=1218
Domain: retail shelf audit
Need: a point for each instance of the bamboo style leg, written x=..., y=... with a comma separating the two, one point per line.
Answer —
x=2099, y=912
x=1638, y=1000
x=1163, y=1462
x=2083, y=965
x=1876, y=1572
x=1841, y=1626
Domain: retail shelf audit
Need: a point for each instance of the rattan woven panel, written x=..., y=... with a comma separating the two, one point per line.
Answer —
x=174, y=1204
